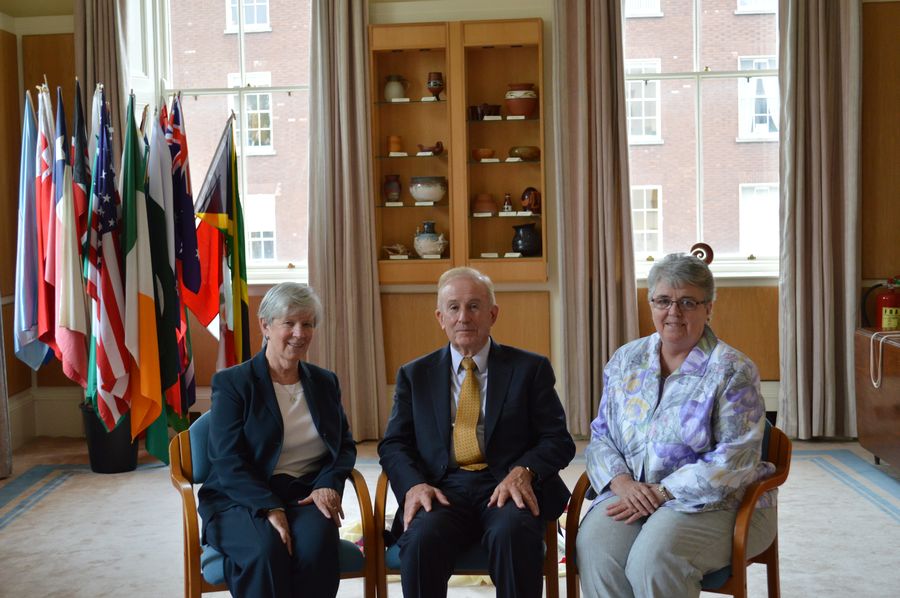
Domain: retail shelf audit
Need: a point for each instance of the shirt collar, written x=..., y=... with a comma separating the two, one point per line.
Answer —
x=480, y=358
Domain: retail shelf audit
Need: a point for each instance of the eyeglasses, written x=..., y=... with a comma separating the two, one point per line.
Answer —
x=685, y=303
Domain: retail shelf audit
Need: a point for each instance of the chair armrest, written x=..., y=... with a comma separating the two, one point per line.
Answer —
x=573, y=519
x=745, y=515
x=179, y=458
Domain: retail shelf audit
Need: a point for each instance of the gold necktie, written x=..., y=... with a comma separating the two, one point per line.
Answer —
x=465, y=439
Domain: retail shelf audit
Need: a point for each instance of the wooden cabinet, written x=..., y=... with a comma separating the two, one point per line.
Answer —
x=479, y=60
x=878, y=409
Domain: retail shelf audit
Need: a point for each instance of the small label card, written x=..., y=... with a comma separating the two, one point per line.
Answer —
x=485, y=160
x=424, y=153
x=393, y=204
x=492, y=117
x=524, y=213
x=424, y=203
x=431, y=256
x=512, y=254
x=514, y=159
x=429, y=99
x=507, y=214
x=490, y=254
x=398, y=155
x=399, y=257
x=399, y=100
x=482, y=214
x=516, y=117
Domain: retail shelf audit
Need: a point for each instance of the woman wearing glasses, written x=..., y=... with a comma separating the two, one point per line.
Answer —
x=676, y=441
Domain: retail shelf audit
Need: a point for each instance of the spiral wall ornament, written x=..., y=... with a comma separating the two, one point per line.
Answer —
x=703, y=251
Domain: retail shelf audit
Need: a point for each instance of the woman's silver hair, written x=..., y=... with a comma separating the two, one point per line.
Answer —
x=681, y=270
x=471, y=274
x=290, y=297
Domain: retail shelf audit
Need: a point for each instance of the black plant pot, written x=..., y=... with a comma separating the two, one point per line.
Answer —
x=109, y=452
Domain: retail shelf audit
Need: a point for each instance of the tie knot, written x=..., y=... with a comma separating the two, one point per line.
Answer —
x=468, y=364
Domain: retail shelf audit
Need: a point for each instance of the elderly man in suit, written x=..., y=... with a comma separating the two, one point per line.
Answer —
x=473, y=449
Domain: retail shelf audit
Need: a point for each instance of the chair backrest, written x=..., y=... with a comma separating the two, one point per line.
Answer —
x=199, y=434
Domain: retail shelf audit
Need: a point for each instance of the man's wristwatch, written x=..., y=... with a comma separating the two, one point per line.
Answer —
x=667, y=496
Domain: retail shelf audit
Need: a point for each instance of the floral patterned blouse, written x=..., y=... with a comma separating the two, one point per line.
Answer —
x=698, y=432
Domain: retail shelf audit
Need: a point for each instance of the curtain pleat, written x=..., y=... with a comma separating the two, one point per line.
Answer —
x=596, y=259
x=342, y=255
x=820, y=123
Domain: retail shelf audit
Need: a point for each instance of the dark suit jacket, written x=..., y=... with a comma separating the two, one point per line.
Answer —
x=246, y=435
x=524, y=424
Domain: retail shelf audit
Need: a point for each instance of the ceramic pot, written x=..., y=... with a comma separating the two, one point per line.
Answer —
x=521, y=99
x=435, y=84
x=526, y=152
x=480, y=153
x=390, y=189
x=428, y=188
x=527, y=240
x=428, y=242
x=531, y=200
x=395, y=87
x=484, y=203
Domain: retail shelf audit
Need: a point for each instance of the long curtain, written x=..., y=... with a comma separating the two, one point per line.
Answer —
x=596, y=258
x=820, y=134
x=99, y=56
x=342, y=259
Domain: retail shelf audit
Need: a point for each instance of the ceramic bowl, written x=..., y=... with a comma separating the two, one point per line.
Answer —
x=484, y=203
x=428, y=188
x=480, y=153
x=526, y=152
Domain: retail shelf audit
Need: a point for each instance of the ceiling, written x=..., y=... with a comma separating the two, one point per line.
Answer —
x=42, y=8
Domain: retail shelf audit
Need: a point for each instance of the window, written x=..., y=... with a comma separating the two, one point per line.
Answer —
x=256, y=15
x=646, y=209
x=643, y=102
x=642, y=8
x=759, y=207
x=257, y=113
x=246, y=70
x=756, y=6
x=758, y=98
x=721, y=133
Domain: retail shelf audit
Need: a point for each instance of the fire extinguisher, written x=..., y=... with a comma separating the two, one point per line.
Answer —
x=887, y=305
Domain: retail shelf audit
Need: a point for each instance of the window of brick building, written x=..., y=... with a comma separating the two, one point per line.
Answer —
x=694, y=183
x=643, y=102
x=230, y=56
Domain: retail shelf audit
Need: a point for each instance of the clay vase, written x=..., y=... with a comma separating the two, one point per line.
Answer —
x=527, y=240
x=521, y=100
x=395, y=87
x=435, y=84
x=390, y=189
x=427, y=241
x=531, y=200
x=484, y=204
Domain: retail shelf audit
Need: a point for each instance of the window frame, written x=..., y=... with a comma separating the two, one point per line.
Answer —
x=659, y=217
x=747, y=96
x=255, y=83
x=232, y=27
x=649, y=9
x=755, y=7
x=773, y=188
x=640, y=78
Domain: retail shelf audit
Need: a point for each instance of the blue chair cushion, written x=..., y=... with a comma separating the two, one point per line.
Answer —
x=199, y=440
x=715, y=579
x=212, y=562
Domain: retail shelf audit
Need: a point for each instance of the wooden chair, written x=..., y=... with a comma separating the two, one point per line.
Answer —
x=731, y=579
x=473, y=561
x=203, y=565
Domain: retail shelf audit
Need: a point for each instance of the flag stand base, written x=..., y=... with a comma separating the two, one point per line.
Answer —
x=109, y=452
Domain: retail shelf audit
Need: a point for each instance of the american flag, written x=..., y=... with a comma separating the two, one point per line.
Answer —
x=104, y=283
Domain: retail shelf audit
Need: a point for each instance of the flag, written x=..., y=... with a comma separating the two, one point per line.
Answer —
x=220, y=237
x=187, y=262
x=109, y=362
x=25, y=329
x=43, y=189
x=140, y=308
x=161, y=223
x=81, y=171
x=94, y=135
x=71, y=330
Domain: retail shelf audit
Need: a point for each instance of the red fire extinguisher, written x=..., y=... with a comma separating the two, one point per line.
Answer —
x=887, y=304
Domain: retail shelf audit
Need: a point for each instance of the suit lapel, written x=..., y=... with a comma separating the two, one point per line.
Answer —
x=264, y=384
x=439, y=374
x=499, y=375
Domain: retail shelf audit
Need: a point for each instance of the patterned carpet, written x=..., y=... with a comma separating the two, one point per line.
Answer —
x=67, y=532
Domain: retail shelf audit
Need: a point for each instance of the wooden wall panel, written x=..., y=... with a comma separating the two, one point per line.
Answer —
x=11, y=134
x=880, y=139
x=744, y=317
x=52, y=55
x=411, y=330
x=18, y=375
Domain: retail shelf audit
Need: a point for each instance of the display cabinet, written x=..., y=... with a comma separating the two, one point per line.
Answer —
x=474, y=90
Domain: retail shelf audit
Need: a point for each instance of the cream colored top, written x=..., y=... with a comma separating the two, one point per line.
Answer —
x=302, y=448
